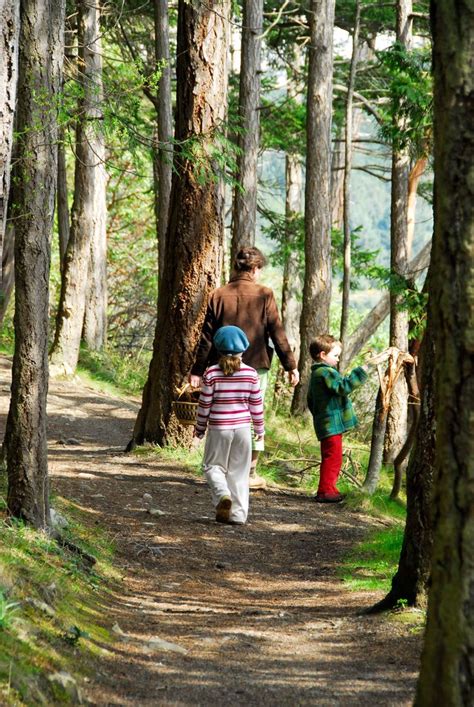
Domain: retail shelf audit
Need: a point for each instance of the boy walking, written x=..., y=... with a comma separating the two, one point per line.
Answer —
x=332, y=411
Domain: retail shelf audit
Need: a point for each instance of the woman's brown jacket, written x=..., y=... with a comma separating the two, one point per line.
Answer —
x=252, y=307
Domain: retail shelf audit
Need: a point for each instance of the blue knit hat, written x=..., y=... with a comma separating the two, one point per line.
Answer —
x=231, y=340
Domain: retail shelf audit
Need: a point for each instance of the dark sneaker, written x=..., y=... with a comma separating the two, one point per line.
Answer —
x=223, y=509
x=329, y=497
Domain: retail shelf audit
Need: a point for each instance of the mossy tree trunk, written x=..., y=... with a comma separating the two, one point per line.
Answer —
x=41, y=54
x=410, y=582
x=447, y=666
x=193, y=259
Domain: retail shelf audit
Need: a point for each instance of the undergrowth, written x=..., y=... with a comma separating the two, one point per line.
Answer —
x=52, y=601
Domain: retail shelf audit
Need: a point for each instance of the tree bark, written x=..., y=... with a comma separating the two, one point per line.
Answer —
x=347, y=252
x=41, y=54
x=317, y=282
x=9, y=32
x=447, y=664
x=196, y=216
x=376, y=446
x=292, y=280
x=292, y=284
x=95, y=313
x=62, y=204
x=87, y=220
x=244, y=213
x=164, y=156
x=396, y=430
x=8, y=269
x=410, y=582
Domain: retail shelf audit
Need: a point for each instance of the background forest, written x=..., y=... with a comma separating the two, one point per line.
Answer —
x=144, y=143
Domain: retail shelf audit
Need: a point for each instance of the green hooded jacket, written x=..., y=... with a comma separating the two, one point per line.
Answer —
x=328, y=399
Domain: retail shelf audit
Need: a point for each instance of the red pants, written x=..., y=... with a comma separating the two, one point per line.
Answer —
x=331, y=462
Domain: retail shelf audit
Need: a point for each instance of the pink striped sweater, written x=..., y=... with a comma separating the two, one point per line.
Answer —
x=230, y=402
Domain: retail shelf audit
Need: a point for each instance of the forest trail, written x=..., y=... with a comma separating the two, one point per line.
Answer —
x=255, y=615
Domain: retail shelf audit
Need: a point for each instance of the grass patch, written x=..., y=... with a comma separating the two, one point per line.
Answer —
x=372, y=564
x=52, y=604
x=114, y=371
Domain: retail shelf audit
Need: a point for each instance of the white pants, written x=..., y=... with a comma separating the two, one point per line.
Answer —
x=226, y=464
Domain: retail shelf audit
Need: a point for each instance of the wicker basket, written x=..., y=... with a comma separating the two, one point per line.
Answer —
x=186, y=410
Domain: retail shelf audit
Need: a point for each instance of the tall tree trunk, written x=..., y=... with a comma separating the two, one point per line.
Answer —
x=62, y=204
x=337, y=180
x=41, y=55
x=84, y=221
x=292, y=280
x=447, y=664
x=95, y=312
x=410, y=582
x=346, y=278
x=164, y=156
x=196, y=216
x=317, y=282
x=8, y=269
x=379, y=426
x=396, y=430
x=9, y=32
x=244, y=213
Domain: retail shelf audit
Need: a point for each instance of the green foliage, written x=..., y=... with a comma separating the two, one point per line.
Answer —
x=283, y=123
x=409, y=118
x=363, y=262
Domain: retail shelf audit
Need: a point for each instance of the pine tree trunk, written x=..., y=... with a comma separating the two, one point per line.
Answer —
x=62, y=204
x=164, y=158
x=196, y=217
x=376, y=446
x=410, y=583
x=347, y=248
x=317, y=282
x=87, y=209
x=9, y=32
x=396, y=430
x=292, y=279
x=8, y=268
x=95, y=313
x=244, y=214
x=41, y=55
x=447, y=664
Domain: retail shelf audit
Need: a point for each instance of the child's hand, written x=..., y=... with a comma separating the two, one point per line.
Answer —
x=196, y=442
x=258, y=438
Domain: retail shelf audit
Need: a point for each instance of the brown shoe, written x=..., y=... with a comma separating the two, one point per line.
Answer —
x=223, y=509
x=256, y=482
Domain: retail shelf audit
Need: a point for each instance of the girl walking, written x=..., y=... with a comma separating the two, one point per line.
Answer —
x=230, y=399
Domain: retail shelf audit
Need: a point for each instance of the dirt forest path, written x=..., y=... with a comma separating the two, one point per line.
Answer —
x=255, y=615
